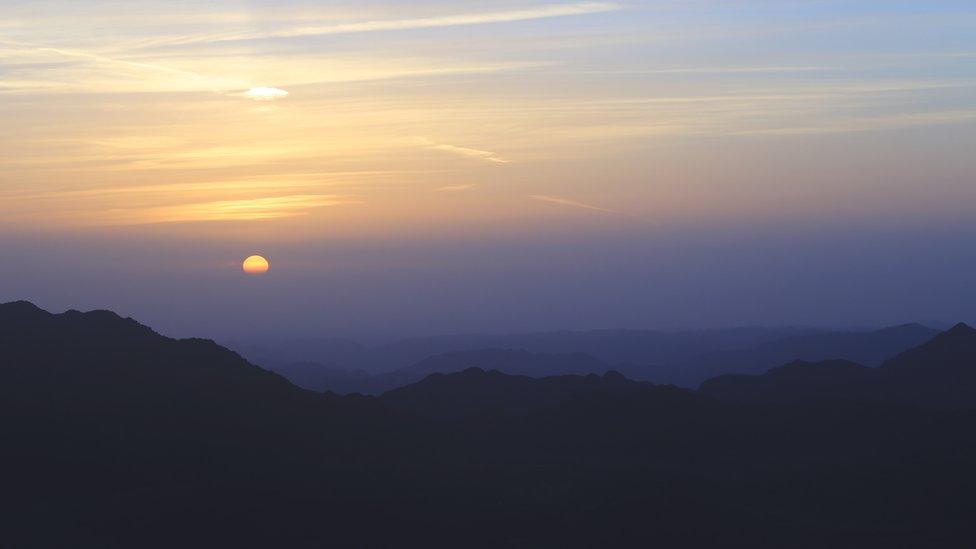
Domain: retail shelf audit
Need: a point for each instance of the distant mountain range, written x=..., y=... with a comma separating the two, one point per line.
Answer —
x=939, y=374
x=477, y=392
x=642, y=347
x=681, y=358
x=115, y=436
x=518, y=362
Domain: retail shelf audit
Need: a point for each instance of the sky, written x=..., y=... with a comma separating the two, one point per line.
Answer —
x=424, y=167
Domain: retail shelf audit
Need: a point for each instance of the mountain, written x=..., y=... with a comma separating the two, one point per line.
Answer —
x=797, y=381
x=116, y=436
x=98, y=360
x=684, y=358
x=863, y=347
x=870, y=348
x=609, y=346
x=319, y=377
x=940, y=373
x=519, y=362
x=336, y=354
x=475, y=391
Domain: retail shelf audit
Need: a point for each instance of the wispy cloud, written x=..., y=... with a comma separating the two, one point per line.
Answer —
x=30, y=67
x=867, y=124
x=723, y=70
x=461, y=19
x=455, y=188
x=582, y=205
x=255, y=209
x=571, y=203
x=101, y=59
x=487, y=156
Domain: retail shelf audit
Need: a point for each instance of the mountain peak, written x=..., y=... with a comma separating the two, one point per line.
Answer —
x=952, y=353
x=22, y=314
x=960, y=334
x=20, y=307
x=614, y=375
x=962, y=329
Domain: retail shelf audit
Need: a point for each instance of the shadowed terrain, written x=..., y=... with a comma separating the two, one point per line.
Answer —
x=118, y=437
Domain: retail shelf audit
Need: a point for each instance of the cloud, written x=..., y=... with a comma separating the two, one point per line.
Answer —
x=455, y=188
x=462, y=19
x=869, y=124
x=487, y=156
x=28, y=68
x=266, y=94
x=98, y=58
x=571, y=203
x=574, y=204
x=254, y=209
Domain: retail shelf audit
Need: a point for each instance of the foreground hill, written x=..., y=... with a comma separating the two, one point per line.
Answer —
x=115, y=436
x=941, y=373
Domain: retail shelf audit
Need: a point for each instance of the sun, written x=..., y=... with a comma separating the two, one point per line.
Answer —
x=256, y=265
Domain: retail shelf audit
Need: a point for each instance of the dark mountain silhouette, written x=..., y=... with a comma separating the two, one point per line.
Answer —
x=115, y=436
x=475, y=391
x=796, y=381
x=98, y=362
x=940, y=373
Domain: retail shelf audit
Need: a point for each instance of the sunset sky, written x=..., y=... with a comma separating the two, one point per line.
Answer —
x=428, y=166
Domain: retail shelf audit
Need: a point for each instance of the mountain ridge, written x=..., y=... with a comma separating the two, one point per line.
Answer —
x=940, y=373
x=120, y=437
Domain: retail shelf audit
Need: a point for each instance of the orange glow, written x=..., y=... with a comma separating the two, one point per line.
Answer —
x=256, y=265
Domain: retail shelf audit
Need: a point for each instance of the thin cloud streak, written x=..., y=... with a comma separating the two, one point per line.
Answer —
x=98, y=58
x=571, y=203
x=464, y=19
x=487, y=156
x=455, y=188
x=581, y=205
x=256, y=209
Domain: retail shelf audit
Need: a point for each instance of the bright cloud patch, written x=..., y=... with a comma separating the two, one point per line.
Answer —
x=266, y=94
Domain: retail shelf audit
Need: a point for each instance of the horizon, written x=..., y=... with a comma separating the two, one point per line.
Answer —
x=258, y=339
x=434, y=168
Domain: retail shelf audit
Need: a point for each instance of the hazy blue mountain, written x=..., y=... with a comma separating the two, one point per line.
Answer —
x=610, y=346
x=864, y=347
x=320, y=377
x=679, y=358
x=518, y=362
x=475, y=391
x=940, y=373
